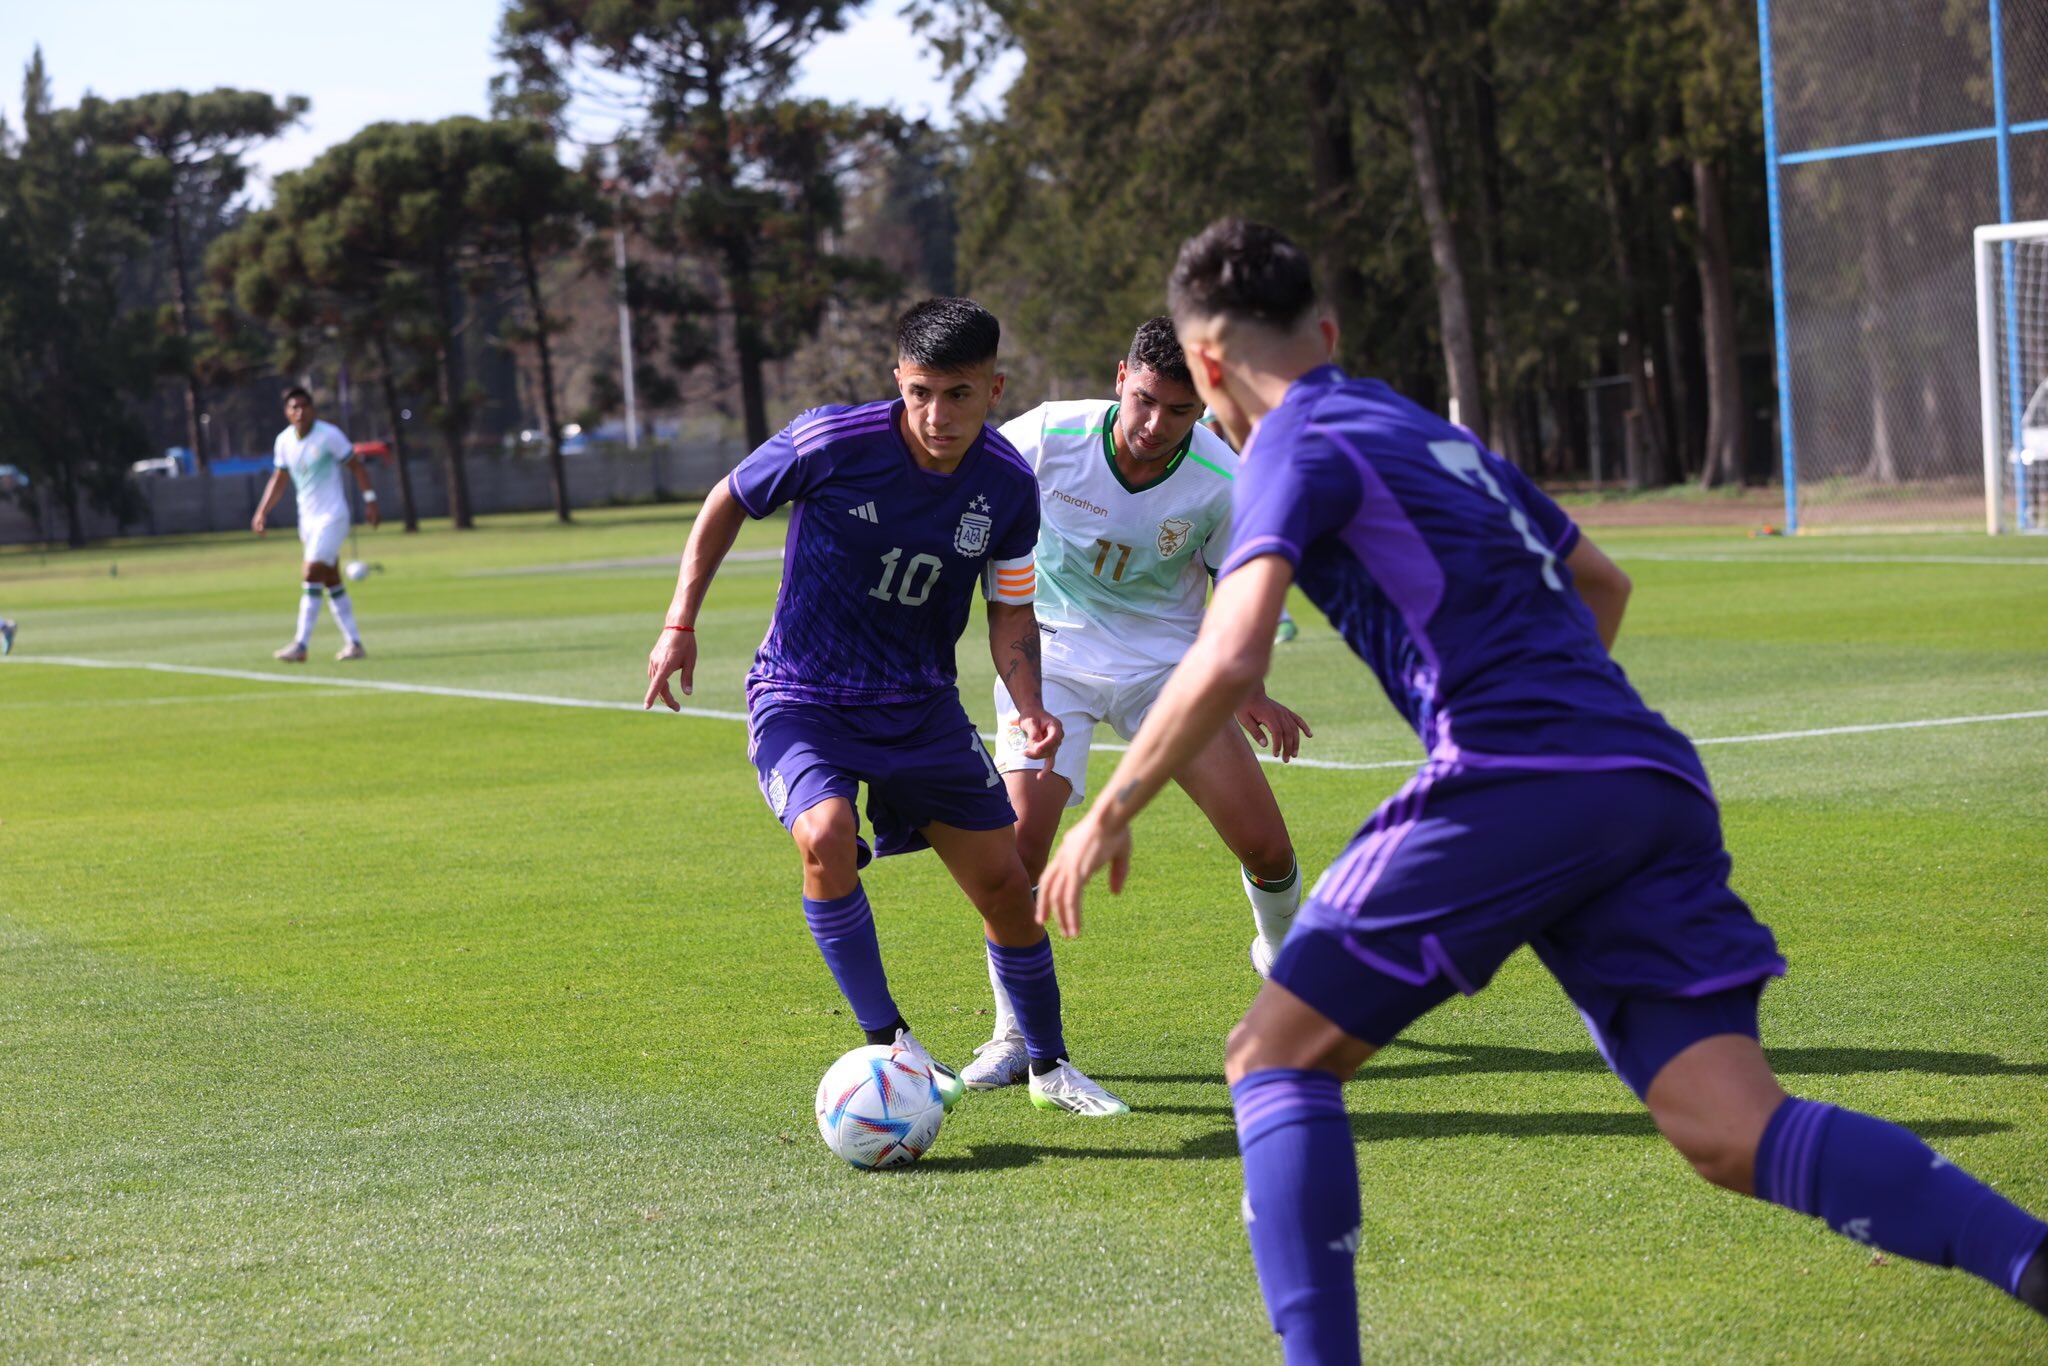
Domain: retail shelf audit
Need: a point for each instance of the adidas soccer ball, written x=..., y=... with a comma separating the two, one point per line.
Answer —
x=877, y=1107
x=356, y=570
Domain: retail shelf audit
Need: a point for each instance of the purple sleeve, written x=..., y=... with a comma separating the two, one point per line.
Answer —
x=1020, y=538
x=777, y=473
x=1293, y=488
x=1553, y=525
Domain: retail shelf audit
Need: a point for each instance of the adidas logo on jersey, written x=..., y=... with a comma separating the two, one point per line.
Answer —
x=866, y=512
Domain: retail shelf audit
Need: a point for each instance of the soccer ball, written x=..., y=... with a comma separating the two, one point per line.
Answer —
x=356, y=570
x=877, y=1107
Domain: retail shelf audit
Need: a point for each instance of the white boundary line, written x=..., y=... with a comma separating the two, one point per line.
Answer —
x=365, y=684
x=709, y=713
x=1709, y=557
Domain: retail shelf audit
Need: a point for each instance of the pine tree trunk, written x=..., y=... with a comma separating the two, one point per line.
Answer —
x=394, y=415
x=746, y=344
x=454, y=471
x=1646, y=457
x=1725, y=457
x=453, y=420
x=194, y=402
x=1333, y=167
x=1454, y=309
x=1490, y=196
x=74, y=521
x=558, y=476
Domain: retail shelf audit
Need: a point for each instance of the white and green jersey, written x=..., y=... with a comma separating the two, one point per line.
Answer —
x=1123, y=573
x=315, y=462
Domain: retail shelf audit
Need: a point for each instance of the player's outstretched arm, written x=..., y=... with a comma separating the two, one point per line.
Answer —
x=272, y=491
x=370, y=512
x=675, y=651
x=1013, y=645
x=1226, y=662
x=1603, y=586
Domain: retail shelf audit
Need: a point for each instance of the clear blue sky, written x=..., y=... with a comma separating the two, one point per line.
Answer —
x=360, y=61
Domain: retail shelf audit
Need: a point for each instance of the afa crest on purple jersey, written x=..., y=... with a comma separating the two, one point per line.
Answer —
x=883, y=556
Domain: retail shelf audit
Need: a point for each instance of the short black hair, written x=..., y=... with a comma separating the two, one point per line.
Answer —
x=1155, y=348
x=948, y=334
x=1238, y=269
x=300, y=391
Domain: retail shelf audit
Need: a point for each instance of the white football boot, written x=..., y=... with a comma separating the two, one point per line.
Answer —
x=1064, y=1088
x=293, y=653
x=1002, y=1061
x=1263, y=955
x=944, y=1079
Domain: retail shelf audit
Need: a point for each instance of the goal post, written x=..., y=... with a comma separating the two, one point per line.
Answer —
x=2012, y=373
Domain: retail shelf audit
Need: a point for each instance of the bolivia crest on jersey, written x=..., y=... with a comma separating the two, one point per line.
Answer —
x=971, y=536
x=1173, y=534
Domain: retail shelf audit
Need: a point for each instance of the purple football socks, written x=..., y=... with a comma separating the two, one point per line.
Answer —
x=845, y=930
x=1301, y=1208
x=1881, y=1185
x=1035, y=995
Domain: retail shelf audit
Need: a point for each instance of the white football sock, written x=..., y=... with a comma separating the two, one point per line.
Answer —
x=1273, y=907
x=309, y=612
x=344, y=613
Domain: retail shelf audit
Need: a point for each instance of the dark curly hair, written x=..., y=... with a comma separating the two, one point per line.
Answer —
x=1155, y=348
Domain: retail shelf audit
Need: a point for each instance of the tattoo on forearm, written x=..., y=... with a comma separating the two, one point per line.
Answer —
x=1022, y=651
x=1127, y=795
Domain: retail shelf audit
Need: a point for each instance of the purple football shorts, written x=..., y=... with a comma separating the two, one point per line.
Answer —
x=1617, y=880
x=921, y=761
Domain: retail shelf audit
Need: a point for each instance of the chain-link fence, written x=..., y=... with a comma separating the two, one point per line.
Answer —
x=1893, y=128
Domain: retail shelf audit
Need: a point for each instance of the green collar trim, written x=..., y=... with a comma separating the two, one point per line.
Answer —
x=1109, y=453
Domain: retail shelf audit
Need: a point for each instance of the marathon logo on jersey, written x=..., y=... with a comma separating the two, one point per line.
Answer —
x=1081, y=503
x=971, y=536
x=777, y=792
x=1173, y=534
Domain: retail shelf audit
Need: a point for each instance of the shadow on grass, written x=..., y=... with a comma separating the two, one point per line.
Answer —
x=1466, y=1059
x=1221, y=1144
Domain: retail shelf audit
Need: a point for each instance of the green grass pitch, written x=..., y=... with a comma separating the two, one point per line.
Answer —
x=337, y=1020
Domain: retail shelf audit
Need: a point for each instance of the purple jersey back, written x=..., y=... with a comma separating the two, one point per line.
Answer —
x=1443, y=568
x=883, y=557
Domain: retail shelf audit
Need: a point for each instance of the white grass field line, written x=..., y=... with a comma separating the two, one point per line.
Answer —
x=265, y=695
x=1711, y=557
x=337, y=685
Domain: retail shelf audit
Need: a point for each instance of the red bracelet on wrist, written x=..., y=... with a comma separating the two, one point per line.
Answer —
x=690, y=629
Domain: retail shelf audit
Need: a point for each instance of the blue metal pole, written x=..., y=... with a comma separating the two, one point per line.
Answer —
x=2003, y=127
x=1786, y=440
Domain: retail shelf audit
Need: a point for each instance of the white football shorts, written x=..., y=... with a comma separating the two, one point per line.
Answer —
x=323, y=539
x=1081, y=702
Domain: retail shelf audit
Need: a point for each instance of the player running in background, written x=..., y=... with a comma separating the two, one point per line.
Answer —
x=1555, y=809
x=1285, y=633
x=899, y=510
x=1134, y=516
x=313, y=453
x=7, y=630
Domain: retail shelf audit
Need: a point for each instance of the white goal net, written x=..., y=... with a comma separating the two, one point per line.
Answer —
x=2012, y=368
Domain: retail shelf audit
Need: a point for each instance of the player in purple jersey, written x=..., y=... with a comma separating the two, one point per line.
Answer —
x=1554, y=810
x=899, y=511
